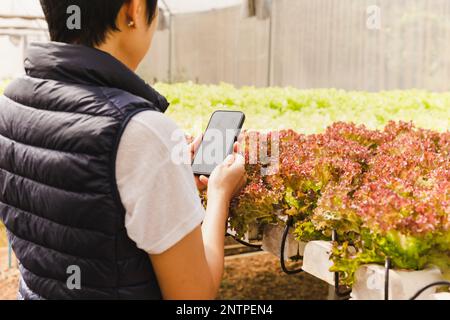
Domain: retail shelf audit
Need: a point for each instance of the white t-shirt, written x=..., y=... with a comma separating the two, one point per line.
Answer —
x=159, y=194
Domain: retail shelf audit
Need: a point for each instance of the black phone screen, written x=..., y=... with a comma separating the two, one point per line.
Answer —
x=223, y=130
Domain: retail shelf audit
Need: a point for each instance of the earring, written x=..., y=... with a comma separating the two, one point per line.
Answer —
x=131, y=24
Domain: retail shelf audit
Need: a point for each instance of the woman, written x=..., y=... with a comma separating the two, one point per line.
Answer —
x=95, y=207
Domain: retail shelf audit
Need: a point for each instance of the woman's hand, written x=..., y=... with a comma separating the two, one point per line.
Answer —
x=234, y=166
x=228, y=179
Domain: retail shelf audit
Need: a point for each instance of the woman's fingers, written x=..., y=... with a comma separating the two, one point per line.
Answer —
x=239, y=160
x=237, y=147
x=195, y=145
x=201, y=182
x=204, y=180
x=229, y=160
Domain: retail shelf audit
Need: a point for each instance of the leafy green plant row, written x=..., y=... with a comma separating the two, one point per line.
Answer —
x=385, y=192
x=384, y=186
x=306, y=111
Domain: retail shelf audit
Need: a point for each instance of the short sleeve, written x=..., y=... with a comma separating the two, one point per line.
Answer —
x=156, y=184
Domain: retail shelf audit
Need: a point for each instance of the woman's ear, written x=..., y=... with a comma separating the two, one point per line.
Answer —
x=134, y=13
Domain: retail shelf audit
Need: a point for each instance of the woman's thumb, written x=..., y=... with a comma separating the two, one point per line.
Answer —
x=239, y=160
x=229, y=160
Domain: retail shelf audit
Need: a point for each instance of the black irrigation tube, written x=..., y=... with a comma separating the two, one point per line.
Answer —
x=337, y=286
x=346, y=293
x=431, y=285
x=387, y=266
x=245, y=243
x=289, y=224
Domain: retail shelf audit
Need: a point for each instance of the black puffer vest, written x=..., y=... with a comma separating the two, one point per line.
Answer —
x=60, y=127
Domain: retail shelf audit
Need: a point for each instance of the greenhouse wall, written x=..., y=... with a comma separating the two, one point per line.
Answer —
x=310, y=44
x=155, y=66
x=302, y=43
x=13, y=46
x=316, y=42
x=211, y=47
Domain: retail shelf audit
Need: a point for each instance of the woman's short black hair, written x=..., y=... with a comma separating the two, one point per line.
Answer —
x=98, y=17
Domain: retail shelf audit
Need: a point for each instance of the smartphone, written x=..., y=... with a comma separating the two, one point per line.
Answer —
x=218, y=140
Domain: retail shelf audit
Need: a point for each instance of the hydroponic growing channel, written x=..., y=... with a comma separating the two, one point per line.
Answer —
x=382, y=188
x=356, y=197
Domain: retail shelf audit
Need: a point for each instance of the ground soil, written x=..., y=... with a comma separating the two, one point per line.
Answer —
x=255, y=276
x=8, y=284
x=259, y=277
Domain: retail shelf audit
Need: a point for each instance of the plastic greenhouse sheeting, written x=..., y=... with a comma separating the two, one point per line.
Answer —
x=21, y=8
x=188, y=6
x=33, y=8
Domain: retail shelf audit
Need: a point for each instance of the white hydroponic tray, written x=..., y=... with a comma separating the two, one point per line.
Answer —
x=369, y=279
x=272, y=242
